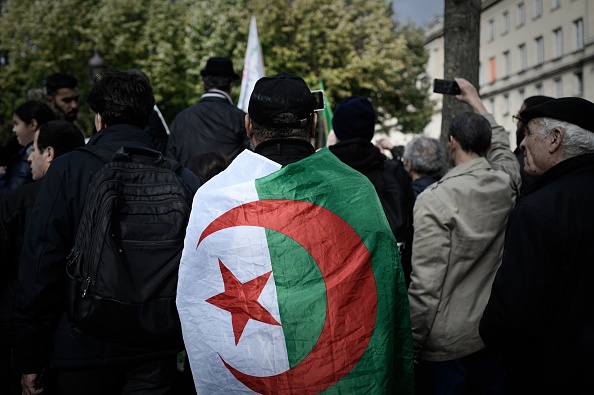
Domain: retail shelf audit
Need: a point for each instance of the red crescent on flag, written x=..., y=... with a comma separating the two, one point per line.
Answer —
x=345, y=264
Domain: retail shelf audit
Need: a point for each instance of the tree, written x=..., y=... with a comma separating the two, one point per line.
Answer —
x=353, y=46
x=462, y=20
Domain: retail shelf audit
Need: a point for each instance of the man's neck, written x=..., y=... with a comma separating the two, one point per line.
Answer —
x=463, y=156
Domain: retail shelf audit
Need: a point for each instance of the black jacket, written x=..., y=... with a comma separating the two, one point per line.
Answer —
x=15, y=208
x=40, y=315
x=541, y=309
x=18, y=171
x=212, y=124
x=392, y=184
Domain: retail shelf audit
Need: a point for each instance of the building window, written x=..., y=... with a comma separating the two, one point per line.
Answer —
x=559, y=87
x=578, y=84
x=538, y=89
x=521, y=14
x=505, y=104
x=523, y=57
x=505, y=26
x=578, y=27
x=491, y=29
x=558, y=42
x=506, y=64
x=521, y=95
x=492, y=73
x=556, y=4
x=537, y=9
x=539, y=50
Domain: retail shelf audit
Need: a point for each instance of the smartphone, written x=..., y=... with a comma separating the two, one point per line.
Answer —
x=446, y=87
x=318, y=100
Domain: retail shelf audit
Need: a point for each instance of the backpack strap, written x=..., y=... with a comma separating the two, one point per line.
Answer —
x=126, y=154
x=104, y=153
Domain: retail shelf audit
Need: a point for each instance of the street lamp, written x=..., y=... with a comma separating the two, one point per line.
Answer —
x=96, y=65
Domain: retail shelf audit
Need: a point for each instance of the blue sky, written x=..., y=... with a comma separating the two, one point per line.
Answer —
x=420, y=11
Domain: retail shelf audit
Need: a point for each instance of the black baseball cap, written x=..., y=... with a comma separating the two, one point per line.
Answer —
x=283, y=93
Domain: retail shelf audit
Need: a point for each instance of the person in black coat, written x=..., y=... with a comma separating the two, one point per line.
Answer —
x=212, y=124
x=354, y=125
x=540, y=312
x=84, y=363
x=52, y=140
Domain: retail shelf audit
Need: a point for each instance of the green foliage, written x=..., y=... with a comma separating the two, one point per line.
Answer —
x=353, y=46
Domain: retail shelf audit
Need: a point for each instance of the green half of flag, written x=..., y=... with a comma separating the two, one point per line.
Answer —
x=348, y=253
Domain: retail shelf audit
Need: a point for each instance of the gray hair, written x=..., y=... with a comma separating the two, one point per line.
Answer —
x=263, y=133
x=576, y=141
x=426, y=155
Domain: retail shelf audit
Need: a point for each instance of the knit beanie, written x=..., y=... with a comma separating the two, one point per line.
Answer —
x=354, y=118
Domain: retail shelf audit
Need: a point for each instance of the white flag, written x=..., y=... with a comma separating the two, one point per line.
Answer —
x=253, y=68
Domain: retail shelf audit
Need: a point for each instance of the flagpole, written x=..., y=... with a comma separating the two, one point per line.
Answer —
x=253, y=68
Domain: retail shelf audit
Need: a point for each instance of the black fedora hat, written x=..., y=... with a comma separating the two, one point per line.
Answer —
x=219, y=66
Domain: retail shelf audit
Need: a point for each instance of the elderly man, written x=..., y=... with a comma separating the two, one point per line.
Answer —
x=424, y=159
x=541, y=310
x=291, y=281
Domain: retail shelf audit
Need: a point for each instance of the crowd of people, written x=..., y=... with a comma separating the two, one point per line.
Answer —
x=458, y=269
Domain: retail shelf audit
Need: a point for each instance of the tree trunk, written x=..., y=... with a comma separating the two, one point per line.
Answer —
x=462, y=21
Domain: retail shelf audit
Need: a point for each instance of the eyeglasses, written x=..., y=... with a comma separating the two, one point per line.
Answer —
x=517, y=119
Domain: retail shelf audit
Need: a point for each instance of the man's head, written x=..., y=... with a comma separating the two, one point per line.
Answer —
x=218, y=74
x=52, y=140
x=471, y=133
x=354, y=118
x=121, y=98
x=528, y=102
x=62, y=91
x=556, y=130
x=280, y=107
x=424, y=157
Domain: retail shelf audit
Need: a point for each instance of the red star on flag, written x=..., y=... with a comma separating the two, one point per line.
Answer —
x=241, y=300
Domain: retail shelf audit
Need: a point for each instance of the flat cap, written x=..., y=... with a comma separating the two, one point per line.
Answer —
x=574, y=110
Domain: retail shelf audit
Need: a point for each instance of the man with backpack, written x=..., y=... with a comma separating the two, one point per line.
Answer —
x=95, y=313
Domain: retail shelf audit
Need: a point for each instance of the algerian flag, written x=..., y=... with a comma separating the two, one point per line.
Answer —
x=253, y=67
x=290, y=282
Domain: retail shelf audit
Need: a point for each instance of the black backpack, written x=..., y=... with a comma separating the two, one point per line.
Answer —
x=122, y=270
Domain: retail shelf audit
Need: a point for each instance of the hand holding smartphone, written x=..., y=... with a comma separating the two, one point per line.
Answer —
x=446, y=87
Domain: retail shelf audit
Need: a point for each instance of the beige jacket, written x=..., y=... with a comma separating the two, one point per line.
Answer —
x=458, y=244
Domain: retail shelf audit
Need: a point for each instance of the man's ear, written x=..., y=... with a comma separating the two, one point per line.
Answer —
x=49, y=154
x=556, y=136
x=33, y=124
x=248, y=126
x=49, y=98
x=249, y=129
x=99, y=124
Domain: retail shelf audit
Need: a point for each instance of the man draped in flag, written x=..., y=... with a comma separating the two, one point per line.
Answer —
x=290, y=280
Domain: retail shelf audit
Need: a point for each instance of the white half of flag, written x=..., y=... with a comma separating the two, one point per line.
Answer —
x=242, y=249
x=253, y=68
